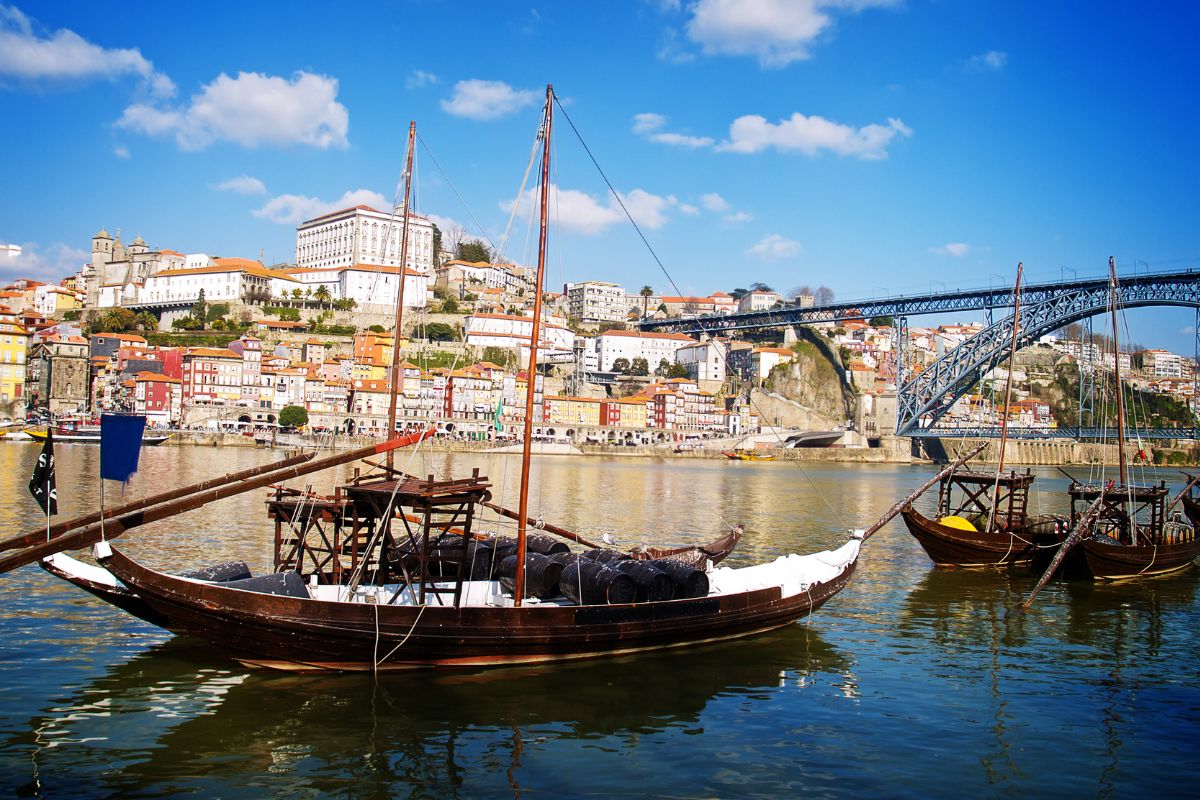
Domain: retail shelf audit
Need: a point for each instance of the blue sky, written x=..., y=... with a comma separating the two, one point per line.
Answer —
x=871, y=146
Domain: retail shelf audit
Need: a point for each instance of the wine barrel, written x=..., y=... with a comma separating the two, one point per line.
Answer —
x=588, y=582
x=652, y=583
x=229, y=571
x=605, y=556
x=689, y=581
x=541, y=575
x=545, y=544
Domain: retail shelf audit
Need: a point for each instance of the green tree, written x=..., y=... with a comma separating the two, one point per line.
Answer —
x=116, y=320
x=677, y=371
x=449, y=306
x=437, y=246
x=216, y=311
x=663, y=368
x=646, y=292
x=297, y=294
x=147, y=322
x=621, y=365
x=760, y=287
x=440, y=332
x=322, y=295
x=200, y=309
x=289, y=314
x=293, y=417
x=882, y=322
x=639, y=367
x=474, y=251
x=739, y=293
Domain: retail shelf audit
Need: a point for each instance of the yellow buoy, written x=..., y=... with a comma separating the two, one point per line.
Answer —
x=962, y=523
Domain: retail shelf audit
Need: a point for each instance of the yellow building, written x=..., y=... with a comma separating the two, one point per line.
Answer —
x=14, y=343
x=572, y=410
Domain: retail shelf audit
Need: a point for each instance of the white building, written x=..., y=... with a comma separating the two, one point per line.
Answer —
x=226, y=280
x=654, y=347
x=1162, y=364
x=597, y=301
x=758, y=301
x=364, y=235
x=371, y=286
x=505, y=330
x=705, y=361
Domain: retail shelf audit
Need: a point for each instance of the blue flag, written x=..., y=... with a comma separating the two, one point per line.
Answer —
x=120, y=445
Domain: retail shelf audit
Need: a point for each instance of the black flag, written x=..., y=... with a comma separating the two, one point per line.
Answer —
x=42, y=485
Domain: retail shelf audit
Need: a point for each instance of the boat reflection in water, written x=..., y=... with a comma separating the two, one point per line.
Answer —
x=424, y=731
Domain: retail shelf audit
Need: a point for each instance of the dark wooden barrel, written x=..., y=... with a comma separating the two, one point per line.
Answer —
x=689, y=581
x=652, y=583
x=541, y=575
x=605, y=556
x=588, y=582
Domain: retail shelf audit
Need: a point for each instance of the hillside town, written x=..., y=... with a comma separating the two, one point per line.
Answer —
x=228, y=343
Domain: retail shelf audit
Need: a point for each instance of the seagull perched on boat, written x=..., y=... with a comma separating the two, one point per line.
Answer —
x=608, y=539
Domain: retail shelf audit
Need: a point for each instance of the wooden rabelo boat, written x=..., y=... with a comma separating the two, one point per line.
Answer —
x=76, y=433
x=389, y=572
x=1121, y=530
x=960, y=535
x=1132, y=535
x=982, y=518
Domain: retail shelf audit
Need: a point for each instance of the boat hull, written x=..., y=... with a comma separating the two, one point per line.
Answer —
x=148, y=440
x=953, y=547
x=302, y=634
x=1113, y=562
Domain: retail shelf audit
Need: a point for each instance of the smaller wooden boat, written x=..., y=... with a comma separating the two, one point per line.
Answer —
x=747, y=455
x=87, y=434
x=967, y=532
x=1132, y=536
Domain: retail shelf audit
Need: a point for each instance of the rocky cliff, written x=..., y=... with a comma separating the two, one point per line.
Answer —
x=810, y=392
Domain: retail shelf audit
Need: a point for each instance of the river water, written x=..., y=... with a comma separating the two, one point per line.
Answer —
x=913, y=682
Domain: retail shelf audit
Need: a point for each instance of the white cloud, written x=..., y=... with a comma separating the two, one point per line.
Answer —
x=689, y=209
x=714, y=202
x=251, y=110
x=243, y=184
x=292, y=209
x=121, y=151
x=776, y=32
x=649, y=126
x=991, y=61
x=774, y=247
x=812, y=135
x=737, y=217
x=486, y=100
x=49, y=264
x=956, y=249
x=672, y=50
x=66, y=56
x=580, y=212
x=419, y=79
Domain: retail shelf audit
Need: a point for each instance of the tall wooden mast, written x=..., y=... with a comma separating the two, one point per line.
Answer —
x=534, y=338
x=1012, y=358
x=1112, y=308
x=394, y=383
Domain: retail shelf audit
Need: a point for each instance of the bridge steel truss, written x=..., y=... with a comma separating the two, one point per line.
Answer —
x=929, y=395
x=934, y=303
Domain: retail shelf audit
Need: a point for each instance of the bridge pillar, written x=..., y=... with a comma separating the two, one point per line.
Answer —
x=789, y=335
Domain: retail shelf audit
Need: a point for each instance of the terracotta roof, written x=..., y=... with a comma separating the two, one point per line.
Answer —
x=211, y=352
x=124, y=337
x=246, y=265
x=155, y=377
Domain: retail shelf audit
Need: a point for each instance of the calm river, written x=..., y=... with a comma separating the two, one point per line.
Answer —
x=911, y=683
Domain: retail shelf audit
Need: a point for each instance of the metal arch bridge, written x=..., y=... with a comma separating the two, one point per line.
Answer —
x=926, y=397
x=929, y=395
x=984, y=299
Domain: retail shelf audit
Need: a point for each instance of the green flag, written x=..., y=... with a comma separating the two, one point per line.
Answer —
x=496, y=421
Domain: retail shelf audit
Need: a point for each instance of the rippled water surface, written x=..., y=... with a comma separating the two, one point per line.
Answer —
x=911, y=683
